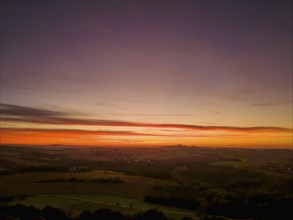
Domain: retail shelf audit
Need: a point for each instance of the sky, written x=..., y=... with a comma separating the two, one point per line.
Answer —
x=146, y=73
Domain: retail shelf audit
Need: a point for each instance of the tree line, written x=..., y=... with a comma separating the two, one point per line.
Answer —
x=21, y=212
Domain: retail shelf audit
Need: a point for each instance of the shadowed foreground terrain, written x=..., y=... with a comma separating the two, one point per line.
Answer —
x=175, y=182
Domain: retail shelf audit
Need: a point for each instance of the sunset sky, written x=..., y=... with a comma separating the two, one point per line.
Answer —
x=139, y=73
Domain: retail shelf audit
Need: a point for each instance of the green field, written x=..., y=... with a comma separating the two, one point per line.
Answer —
x=74, y=204
x=75, y=197
x=75, y=180
x=27, y=184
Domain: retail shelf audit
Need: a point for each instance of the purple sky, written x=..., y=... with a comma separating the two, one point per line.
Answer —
x=197, y=62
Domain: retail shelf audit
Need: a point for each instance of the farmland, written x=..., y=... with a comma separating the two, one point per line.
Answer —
x=30, y=183
x=75, y=204
x=178, y=180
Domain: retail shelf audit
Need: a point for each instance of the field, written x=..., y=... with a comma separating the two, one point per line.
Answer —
x=31, y=185
x=74, y=204
x=177, y=180
x=78, y=196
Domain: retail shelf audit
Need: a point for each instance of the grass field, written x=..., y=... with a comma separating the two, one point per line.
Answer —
x=178, y=171
x=78, y=196
x=27, y=184
x=74, y=204
x=75, y=197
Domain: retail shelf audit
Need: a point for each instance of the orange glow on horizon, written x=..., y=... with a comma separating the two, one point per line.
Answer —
x=113, y=138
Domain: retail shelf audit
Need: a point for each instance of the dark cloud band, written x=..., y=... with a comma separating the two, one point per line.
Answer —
x=13, y=113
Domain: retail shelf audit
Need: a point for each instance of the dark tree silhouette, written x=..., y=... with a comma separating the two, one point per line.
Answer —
x=151, y=214
x=53, y=213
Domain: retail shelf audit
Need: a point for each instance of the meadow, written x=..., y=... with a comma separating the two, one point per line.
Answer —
x=180, y=181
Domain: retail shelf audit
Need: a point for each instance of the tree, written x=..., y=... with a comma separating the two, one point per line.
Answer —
x=53, y=213
x=151, y=214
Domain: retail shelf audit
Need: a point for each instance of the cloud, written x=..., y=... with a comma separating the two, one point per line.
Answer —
x=106, y=104
x=209, y=110
x=36, y=115
x=274, y=103
x=110, y=105
x=154, y=115
x=73, y=132
x=16, y=110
